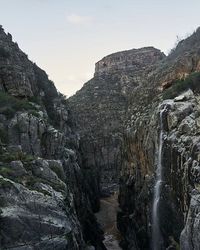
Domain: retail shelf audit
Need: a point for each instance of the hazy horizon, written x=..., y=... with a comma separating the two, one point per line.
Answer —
x=66, y=39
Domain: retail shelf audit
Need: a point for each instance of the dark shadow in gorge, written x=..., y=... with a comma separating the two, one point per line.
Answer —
x=107, y=218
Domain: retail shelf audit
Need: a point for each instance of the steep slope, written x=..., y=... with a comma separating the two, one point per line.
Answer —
x=124, y=123
x=100, y=110
x=43, y=194
x=178, y=151
x=58, y=156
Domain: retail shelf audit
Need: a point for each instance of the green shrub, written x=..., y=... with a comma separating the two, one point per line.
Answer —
x=35, y=99
x=30, y=184
x=32, y=180
x=7, y=157
x=34, y=113
x=10, y=104
x=26, y=158
x=5, y=171
x=20, y=156
x=8, y=173
x=58, y=171
x=190, y=82
x=8, y=112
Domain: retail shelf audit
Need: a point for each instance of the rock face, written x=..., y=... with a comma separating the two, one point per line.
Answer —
x=190, y=235
x=131, y=60
x=43, y=193
x=58, y=156
x=182, y=61
x=117, y=114
x=100, y=109
x=179, y=188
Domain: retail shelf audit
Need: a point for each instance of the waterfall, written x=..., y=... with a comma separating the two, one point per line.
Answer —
x=156, y=234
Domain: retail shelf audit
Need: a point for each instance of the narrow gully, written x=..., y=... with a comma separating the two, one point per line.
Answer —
x=107, y=218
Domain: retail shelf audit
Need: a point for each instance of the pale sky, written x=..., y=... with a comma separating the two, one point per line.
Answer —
x=67, y=37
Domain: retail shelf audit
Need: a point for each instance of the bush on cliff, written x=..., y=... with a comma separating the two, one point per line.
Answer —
x=190, y=82
x=10, y=104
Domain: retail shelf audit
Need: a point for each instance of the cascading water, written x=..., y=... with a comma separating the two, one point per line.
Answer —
x=156, y=234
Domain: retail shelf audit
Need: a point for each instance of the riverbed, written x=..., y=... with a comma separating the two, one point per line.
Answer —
x=107, y=218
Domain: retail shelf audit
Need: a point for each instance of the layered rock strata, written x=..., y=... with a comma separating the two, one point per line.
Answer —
x=43, y=192
x=100, y=110
x=117, y=114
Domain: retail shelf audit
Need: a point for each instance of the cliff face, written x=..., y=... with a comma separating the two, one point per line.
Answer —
x=136, y=124
x=118, y=116
x=100, y=109
x=43, y=193
x=131, y=60
x=179, y=152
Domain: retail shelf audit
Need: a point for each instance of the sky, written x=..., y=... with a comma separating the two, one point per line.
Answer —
x=67, y=37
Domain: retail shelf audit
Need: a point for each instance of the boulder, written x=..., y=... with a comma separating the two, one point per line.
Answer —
x=18, y=168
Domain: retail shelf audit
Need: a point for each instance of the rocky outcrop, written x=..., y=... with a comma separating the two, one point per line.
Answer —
x=58, y=156
x=117, y=114
x=100, y=109
x=130, y=83
x=179, y=158
x=131, y=60
x=190, y=235
x=37, y=219
x=19, y=76
x=43, y=194
x=181, y=62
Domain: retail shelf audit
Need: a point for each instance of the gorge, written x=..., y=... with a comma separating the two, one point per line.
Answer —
x=127, y=145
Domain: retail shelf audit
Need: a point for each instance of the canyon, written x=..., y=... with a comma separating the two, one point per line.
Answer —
x=116, y=163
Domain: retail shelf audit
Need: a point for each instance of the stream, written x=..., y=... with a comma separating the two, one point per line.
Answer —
x=107, y=219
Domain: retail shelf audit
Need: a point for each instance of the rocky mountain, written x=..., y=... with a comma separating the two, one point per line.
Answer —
x=100, y=110
x=43, y=192
x=143, y=146
x=135, y=125
x=129, y=131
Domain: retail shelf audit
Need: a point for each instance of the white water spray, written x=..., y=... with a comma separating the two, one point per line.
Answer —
x=156, y=234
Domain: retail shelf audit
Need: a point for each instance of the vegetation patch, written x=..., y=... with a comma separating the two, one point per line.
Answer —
x=19, y=156
x=58, y=171
x=28, y=180
x=6, y=172
x=9, y=105
x=35, y=99
x=32, y=180
x=9, y=173
x=34, y=113
x=190, y=82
